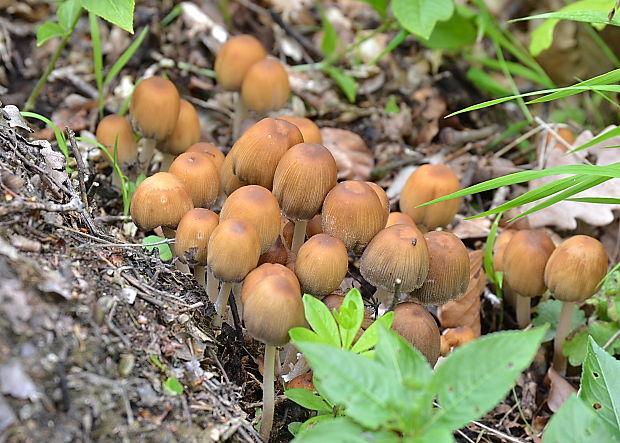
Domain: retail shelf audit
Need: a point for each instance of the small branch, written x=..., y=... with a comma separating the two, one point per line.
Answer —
x=80, y=164
x=24, y=205
x=612, y=339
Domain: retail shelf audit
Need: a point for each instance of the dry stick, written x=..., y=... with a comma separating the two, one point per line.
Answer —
x=241, y=112
x=268, y=391
x=515, y=142
x=612, y=339
x=20, y=205
x=523, y=310
x=562, y=331
x=80, y=164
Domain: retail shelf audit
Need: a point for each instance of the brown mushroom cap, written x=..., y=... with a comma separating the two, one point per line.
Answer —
x=276, y=253
x=524, y=262
x=383, y=198
x=265, y=86
x=258, y=206
x=307, y=127
x=499, y=248
x=304, y=176
x=263, y=271
x=192, y=237
x=211, y=150
x=154, y=108
x=236, y=56
x=115, y=127
x=229, y=182
x=233, y=250
x=314, y=226
x=271, y=308
x=413, y=323
x=397, y=252
x=186, y=132
x=353, y=213
x=398, y=218
x=199, y=175
x=256, y=154
x=448, y=272
x=575, y=268
x=160, y=200
x=321, y=265
x=427, y=183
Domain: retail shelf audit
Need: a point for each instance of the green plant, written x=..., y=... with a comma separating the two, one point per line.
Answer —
x=161, y=244
x=389, y=393
x=58, y=134
x=118, y=12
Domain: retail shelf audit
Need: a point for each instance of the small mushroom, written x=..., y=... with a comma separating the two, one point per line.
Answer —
x=398, y=218
x=199, y=175
x=216, y=155
x=414, y=323
x=265, y=86
x=572, y=274
x=321, y=265
x=383, y=198
x=229, y=182
x=308, y=128
x=115, y=133
x=186, y=133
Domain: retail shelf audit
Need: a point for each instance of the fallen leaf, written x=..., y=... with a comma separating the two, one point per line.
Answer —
x=455, y=337
x=353, y=158
x=559, y=389
x=465, y=311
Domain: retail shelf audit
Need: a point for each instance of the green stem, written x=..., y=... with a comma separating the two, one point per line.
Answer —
x=34, y=95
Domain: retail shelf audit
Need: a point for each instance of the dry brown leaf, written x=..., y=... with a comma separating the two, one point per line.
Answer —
x=465, y=311
x=455, y=337
x=559, y=389
x=353, y=158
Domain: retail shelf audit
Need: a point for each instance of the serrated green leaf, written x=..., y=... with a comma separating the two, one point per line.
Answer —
x=321, y=320
x=482, y=381
x=308, y=400
x=68, y=13
x=548, y=312
x=575, y=422
x=117, y=12
x=370, y=336
x=600, y=384
x=165, y=253
x=419, y=17
x=350, y=317
x=347, y=84
x=48, y=31
x=172, y=387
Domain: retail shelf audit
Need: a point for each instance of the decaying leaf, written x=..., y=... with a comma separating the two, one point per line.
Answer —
x=559, y=389
x=353, y=158
x=465, y=311
x=455, y=337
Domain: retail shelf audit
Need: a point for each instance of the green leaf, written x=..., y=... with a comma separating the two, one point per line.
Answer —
x=117, y=12
x=68, y=13
x=514, y=68
x=435, y=435
x=584, y=15
x=489, y=268
x=419, y=17
x=347, y=84
x=456, y=32
x=597, y=200
x=350, y=317
x=308, y=400
x=321, y=320
x=475, y=377
x=397, y=40
x=575, y=348
x=379, y=5
x=575, y=422
x=172, y=387
x=370, y=337
x=486, y=83
x=165, y=253
x=330, y=37
x=304, y=334
x=335, y=430
x=293, y=427
x=548, y=312
x=598, y=139
x=600, y=384
x=391, y=107
x=125, y=56
x=48, y=31
x=157, y=362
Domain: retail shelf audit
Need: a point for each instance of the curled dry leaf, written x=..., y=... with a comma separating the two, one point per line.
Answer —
x=559, y=389
x=353, y=158
x=465, y=311
x=303, y=381
x=455, y=337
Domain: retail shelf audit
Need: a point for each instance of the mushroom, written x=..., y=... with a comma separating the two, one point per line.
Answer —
x=414, y=323
x=185, y=134
x=572, y=274
x=228, y=180
x=448, y=272
x=307, y=127
x=314, y=226
x=498, y=262
x=154, y=110
x=427, y=183
x=272, y=305
x=303, y=177
x=383, y=198
x=396, y=254
x=353, y=213
x=216, y=155
x=524, y=260
x=192, y=240
x=160, y=200
x=233, y=251
x=265, y=86
x=277, y=253
x=256, y=154
x=321, y=264
x=115, y=133
x=199, y=175
x=232, y=63
x=257, y=206
x=398, y=218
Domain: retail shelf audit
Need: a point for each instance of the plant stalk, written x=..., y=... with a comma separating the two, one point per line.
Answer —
x=222, y=298
x=562, y=331
x=212, y=284
x=299, y=235
x=268, y=391
x=146, y=154
x=199, y=275
x=241, y=111
x=523, y=311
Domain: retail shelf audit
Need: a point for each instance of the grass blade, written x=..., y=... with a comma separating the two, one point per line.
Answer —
x=597, y=200
x=125, y=56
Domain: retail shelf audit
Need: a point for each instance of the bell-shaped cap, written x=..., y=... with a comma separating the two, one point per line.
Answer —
x=414, y=323
x=233, y=250
x=321, y=265
x=191, y=242
x=235, y=58
x=265, y=86
x=186, y=131
x=199, y=175
x=308, y=128
x=155, y=106
x=114, y=130
x=216, y=155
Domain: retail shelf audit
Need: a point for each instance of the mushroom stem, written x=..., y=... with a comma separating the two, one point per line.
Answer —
x=299, y=235
x=523, y=311
x=212, y=284
x=241, y=112
x=396, y=295
x=562, y=331
x=383, y=296
x=236, y=290
x=199, y=275
x=222, y=298
x=168, y=232
x=182, y=267
x=146, y=153
x=268, y=391
x=166, y=161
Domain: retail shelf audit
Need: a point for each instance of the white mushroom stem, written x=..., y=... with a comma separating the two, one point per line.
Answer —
x=212, y=284
x=562, y=331
x=146, y=153
x=236, y=290
x=182, y=267
x=222, y=298
x=268, y=391
x=240, y=113
x=384, y=297
x=166, y=161
x=299, y=235
x=199, y=275
x=523, y=311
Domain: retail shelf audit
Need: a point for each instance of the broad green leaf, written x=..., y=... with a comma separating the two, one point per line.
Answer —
x=435, y=435
x=304, y=334
x=357, y=383
x=379, y=5
x=600, y=384
x=68, y=13
x=125, y=56
x=342, y=430
x=548, y=312
x=172, y=387
x=330, y=37
x=575, y=422
x=347, y=84
x=293, y=427
x=321, y=320
x=48, y=31
x=371, y=335
x=575, y=348
x=350, y=317
x=475, y=377
x=312, y=421
x=163, y=249
x=117, y=12
x=419, y=17
x=456, y=32
x=308, y=400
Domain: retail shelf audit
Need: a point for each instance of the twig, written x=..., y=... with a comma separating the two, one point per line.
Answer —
x=20, y=205
x=612, y=339
x=515, y=142
x=167, y=241
x=314, y=53
x=80, y=164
